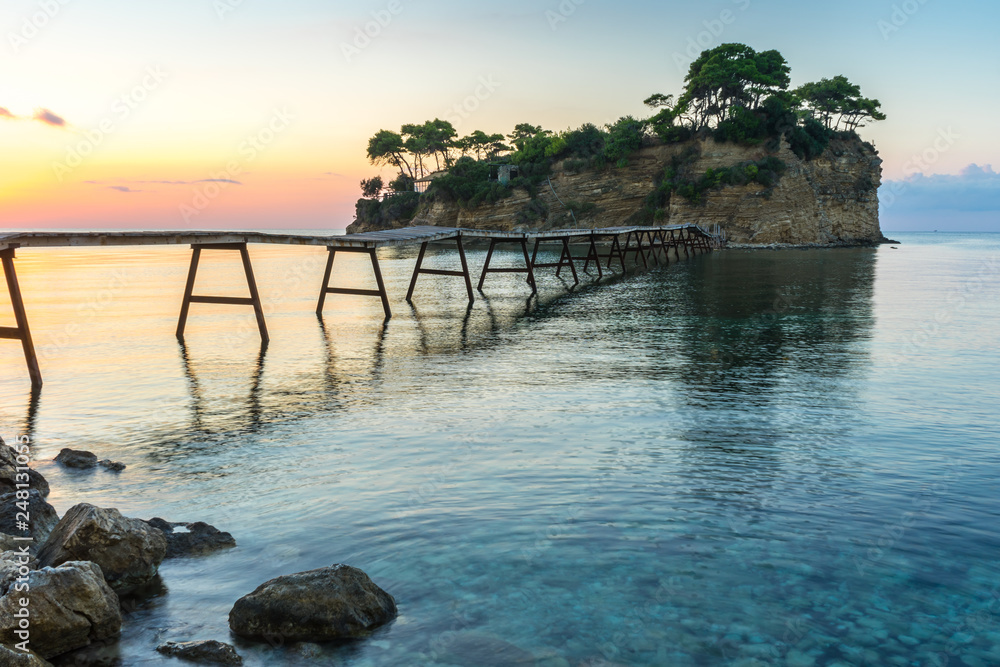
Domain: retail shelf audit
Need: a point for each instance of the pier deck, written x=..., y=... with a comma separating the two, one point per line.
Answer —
x=642, y=243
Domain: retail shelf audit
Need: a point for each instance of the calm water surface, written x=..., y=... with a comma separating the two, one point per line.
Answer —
x=749, y=458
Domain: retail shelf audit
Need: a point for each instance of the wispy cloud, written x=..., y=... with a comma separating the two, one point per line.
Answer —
x=45, y=116
x=122, y=188
x=203, y=180
x=49, y=118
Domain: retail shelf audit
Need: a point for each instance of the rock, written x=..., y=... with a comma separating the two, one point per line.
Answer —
x=71, y=606
x=11, y=658
x=10, y=476
x=42, y=517
x=113, y=466
x=212, y=652
x=129, y=551
x=74, y=458
x=338, y=602
x=195, y=539
x=13, y=565
x=829, y=200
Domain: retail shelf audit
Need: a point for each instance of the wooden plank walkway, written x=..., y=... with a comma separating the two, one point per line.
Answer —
x=642, y=243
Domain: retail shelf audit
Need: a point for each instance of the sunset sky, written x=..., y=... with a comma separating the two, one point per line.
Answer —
x=256, y=113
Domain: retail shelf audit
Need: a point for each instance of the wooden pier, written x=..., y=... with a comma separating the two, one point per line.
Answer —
x=642, y=244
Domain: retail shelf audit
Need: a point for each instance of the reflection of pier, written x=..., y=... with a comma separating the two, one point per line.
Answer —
x=642, y=244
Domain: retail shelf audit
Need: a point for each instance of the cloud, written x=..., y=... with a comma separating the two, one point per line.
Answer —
x=49, y=118
x=971, y=196
x=122, y=188
x=204, y=180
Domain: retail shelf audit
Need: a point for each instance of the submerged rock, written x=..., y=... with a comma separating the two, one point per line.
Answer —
x=194, y=539
x=11, y=658
x=10, y=478
x=484, y=650
x=42, y=517
x=75, y=458
x=113, y=466
x=129, y=551
x=211, y=652
x=338, y=602
x=71, y=606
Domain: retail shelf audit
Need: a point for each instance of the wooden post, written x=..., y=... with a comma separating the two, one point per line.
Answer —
x=592, y=256
x=253, y=300
x=464, y=273
x=616, y=251
x=21, y=332
x=486, y=266
x=380, y=292
x=565, y=259
x=529, y=268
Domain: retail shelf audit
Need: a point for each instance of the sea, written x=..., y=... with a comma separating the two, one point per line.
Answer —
x=750, y=457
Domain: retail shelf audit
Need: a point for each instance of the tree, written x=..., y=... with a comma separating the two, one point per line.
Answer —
x=659, y=101
x=728, y=77
x=435, y=137
x=371, y=187
x=388, y=148
x=525, y=131
x=837, y=101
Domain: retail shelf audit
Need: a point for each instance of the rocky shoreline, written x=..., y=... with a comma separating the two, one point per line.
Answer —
x=63, y=581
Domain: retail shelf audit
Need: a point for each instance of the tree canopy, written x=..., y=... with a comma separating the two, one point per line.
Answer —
x=837, y=101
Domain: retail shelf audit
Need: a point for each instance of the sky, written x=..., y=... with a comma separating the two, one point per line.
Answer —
x=257, y=113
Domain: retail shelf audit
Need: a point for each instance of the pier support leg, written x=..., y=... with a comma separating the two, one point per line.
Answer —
x=380, y=292
x=253, y=300
x=616, y=251
x=464, y=273
x=592, y=256
x=529, y=267
x=21, y=332
x=565, y=259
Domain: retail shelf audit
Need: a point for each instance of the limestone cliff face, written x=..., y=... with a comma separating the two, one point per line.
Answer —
x=832, y=199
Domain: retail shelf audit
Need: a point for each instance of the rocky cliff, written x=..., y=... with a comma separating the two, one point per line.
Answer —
x=831, y=199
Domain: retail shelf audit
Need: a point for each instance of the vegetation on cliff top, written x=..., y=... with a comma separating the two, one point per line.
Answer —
x=732, y=94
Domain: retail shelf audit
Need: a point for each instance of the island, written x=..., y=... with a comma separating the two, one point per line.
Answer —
x=737, y=151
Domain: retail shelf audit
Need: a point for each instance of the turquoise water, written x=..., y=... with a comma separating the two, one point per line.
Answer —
x=748, y=458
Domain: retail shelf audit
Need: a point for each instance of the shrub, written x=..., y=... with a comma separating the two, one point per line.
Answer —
x=809, y=140
x=743, y=127
x=402, y=183
x=623, y=139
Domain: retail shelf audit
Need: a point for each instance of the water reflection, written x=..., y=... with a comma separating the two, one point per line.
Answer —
x=250, y=421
